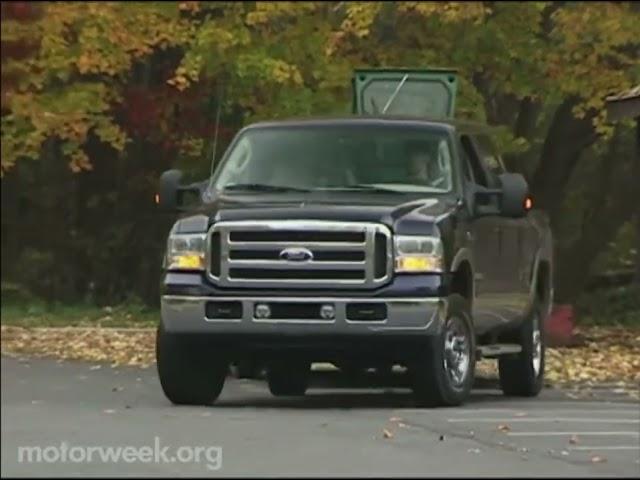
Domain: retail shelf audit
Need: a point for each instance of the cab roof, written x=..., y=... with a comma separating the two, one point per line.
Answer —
x=460, y=126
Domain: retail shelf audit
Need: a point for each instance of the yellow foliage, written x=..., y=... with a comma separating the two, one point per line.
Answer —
x=79, y=161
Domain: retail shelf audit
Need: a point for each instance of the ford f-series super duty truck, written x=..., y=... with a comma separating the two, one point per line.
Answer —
x=393, y=236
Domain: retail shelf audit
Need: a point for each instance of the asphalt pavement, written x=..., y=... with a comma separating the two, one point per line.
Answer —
x=61, y=419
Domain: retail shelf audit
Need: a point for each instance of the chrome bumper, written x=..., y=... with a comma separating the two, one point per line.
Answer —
x=412, y=316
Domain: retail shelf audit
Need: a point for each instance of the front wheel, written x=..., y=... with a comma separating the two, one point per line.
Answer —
x=523, y=375
x=442, y=373
x=190, y=373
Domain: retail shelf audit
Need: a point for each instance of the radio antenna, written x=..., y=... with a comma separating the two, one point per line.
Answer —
x=215, y=134
x=393, y=97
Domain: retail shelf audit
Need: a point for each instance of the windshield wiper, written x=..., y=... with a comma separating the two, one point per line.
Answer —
x=362, y=186
x=262, y=187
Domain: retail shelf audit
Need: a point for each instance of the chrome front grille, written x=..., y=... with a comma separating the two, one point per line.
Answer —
x=302, y=254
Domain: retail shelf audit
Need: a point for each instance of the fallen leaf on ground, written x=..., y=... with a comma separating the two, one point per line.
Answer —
x=386, y=433
x=108, y=411
x=598, y=459
x=504, y=428
x=609, y=355
x=574, y=440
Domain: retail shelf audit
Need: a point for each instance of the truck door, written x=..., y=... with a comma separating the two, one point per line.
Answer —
x=486, y=245
x=513, y=280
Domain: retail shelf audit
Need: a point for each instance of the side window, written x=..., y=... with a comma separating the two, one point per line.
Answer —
x=466, y=164
x=490, y=158
x=476, y=168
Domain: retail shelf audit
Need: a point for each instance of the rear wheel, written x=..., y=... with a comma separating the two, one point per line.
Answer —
x=442, y=373
x=523, y=375
x=288, y=378
x=190, y=372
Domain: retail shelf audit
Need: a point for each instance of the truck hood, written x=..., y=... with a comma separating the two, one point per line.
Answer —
x=402, y=215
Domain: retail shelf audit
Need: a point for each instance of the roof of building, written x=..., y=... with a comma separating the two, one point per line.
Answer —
x=625, y=95
x=625, y=104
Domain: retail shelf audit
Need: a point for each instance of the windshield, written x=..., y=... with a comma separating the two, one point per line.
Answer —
x=324, y=157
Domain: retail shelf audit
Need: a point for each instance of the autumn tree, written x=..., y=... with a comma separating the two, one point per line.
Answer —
x=99, y=98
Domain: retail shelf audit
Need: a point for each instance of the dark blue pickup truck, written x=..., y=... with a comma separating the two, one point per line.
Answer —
x=390, y=237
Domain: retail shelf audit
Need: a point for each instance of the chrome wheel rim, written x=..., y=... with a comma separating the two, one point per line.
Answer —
x=457, y=352
x=536, y=351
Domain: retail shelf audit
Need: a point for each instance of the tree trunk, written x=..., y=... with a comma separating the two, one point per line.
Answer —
x=525, y=127
x=636, y=278
x=637, y=275
x=566, y=140
x=611, y=205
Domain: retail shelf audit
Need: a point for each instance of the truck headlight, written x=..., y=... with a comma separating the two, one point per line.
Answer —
x=186, y=251
x=414, y=254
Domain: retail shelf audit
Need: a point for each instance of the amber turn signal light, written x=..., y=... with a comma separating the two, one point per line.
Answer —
x=528, y=203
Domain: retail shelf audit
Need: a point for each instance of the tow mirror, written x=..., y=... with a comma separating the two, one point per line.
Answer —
x=172, y=195
x=515, y=200
x=513, y=197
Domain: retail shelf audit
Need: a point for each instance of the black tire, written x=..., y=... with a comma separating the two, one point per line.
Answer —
x=288, y=378
x=190, y=373
x=432, y=383
x=517, y=374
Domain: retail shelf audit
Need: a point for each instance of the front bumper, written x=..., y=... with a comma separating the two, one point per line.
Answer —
x=405, y=317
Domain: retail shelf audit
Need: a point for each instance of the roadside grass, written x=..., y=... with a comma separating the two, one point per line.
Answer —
x=37, y=314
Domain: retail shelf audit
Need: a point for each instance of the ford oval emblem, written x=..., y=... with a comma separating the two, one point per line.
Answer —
x=296, y=254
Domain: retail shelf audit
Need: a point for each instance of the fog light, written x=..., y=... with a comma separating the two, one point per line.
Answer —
x=262, y=311
x=328, y=312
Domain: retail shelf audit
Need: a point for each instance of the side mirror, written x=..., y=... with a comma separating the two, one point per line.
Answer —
x=514, y=201
x=171, y=193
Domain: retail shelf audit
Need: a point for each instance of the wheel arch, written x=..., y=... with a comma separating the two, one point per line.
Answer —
x=462, y=275
x=542, y=282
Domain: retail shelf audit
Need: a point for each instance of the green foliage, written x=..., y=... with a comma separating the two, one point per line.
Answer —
x=99, y=98
x=622, y=254
x=14, y=293
x=611, y=306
